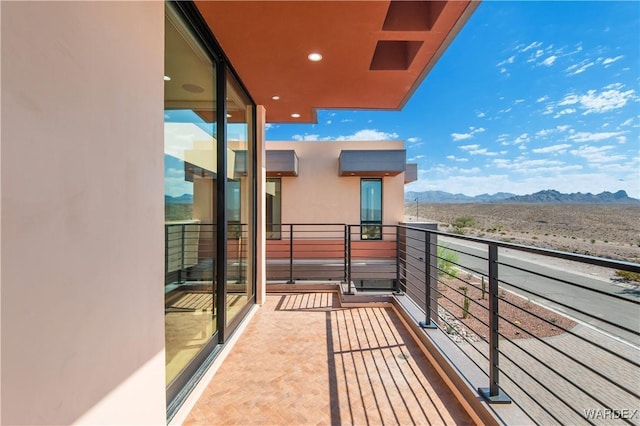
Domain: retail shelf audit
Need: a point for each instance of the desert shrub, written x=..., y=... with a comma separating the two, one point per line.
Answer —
x=629, y=276
x=446, y=260
x=464, y=222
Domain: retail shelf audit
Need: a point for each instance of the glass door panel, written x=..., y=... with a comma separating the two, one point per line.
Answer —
x=189, y=175
x=239, y=199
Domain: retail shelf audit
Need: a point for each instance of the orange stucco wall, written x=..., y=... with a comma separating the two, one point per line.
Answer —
x=82, y=213
x=319, y=195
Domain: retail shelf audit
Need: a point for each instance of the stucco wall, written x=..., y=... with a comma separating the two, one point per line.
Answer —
x=319, y=195
x=82, y=213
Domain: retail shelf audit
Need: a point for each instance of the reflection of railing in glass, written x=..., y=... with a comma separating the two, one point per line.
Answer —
x=190, y=252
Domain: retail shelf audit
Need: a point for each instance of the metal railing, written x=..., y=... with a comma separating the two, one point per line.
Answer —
x=560, y=344
x=364, y=256
x=190, y=251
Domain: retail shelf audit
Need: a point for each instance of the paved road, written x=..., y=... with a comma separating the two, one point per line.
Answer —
x=609, y=308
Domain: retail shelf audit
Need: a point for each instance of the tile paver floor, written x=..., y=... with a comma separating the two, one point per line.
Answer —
x=303, y=360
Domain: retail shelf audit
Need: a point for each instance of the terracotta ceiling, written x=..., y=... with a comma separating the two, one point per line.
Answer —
x=374, y=53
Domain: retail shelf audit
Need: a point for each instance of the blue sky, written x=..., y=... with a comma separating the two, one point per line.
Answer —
x=529, y=96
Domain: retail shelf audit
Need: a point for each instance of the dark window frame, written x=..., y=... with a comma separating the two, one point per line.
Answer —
x=371, y=230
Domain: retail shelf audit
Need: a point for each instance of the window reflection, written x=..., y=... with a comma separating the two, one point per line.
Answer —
x=190, y=173
x=239, y=200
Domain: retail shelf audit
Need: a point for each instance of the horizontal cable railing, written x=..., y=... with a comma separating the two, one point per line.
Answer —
x=306, y=251
x=560, y=344
x=190, y=250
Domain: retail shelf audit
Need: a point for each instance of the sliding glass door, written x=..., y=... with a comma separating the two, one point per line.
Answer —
x=209, y=198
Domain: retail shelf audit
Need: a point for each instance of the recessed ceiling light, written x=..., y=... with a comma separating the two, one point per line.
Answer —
x=315, y=57
x=228, y=115
x=295, y=115
x=167, y=78
x=193, y=88
x=275, y=98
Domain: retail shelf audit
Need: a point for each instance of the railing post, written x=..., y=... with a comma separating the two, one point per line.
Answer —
x=493, y=394
x=291, y=281
x=166, y=252
x=182, y=246
x=349, y=289
x=346, y=253
x=428, y=322
x=396, y=285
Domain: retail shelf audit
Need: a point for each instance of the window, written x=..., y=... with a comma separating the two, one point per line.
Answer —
x=274, y=206
x=371, y=209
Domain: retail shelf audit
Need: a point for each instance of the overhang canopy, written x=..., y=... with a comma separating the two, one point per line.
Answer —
x=372, y=163
x=374, y=53
x=281, y=163
x=411, y=173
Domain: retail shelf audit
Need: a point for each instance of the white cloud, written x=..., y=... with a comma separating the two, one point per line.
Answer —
x=461, y=136
x=592, y=101
x=546, y=132
x=458, y=159
x=509, y=60
x=565, y=112
x=542, y=98
x=627, y=122
x=518, y=101
x=480, y=114
x=329, y=121
x=469, y=147
x=608, y=61
x=593, y=137
x=522, y=139
x=413, y=140
x=533, y=45
x=598, y=154
x=306, y=137
x=360, y=135
x=579, y=68
x=560, y=148
x=476, y=150
x=605, y=101
x=549, y=61
x=369, y=135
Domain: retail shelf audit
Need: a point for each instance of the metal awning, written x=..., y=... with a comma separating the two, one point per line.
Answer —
x=372, y=163
x=281, y=163
x=411, y=173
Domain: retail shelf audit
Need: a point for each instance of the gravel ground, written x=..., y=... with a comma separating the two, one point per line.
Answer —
x=608, y=231
x=605, y=230
x=520, y=318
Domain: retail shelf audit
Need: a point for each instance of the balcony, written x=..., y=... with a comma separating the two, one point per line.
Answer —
x=459, y=330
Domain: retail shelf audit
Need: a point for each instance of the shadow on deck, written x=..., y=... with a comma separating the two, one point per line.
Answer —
x=306, y=359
